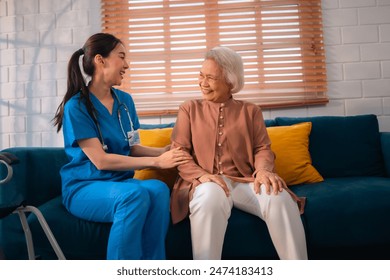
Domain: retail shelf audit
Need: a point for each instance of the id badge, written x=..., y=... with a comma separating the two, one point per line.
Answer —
x=133, y=137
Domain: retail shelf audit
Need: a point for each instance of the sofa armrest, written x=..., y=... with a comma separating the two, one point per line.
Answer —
x=7, y=159
x=36, y=178
x=385, y=139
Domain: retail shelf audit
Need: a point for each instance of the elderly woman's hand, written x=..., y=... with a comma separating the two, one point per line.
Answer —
x=216, y=179
x=269, y=179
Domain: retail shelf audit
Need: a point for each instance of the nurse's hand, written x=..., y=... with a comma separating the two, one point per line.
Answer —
x=173, y=158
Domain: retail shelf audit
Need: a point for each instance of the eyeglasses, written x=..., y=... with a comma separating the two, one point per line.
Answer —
x=208, y=78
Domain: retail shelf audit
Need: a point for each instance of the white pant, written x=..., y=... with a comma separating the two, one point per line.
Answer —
x=210, y=210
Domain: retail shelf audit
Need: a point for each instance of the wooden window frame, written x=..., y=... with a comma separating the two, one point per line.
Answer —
x=280, y=41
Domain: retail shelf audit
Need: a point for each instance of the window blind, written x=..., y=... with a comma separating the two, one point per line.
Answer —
x=280, y=41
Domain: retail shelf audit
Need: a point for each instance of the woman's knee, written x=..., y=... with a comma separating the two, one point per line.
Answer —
x=281, y=200
x=209, y=197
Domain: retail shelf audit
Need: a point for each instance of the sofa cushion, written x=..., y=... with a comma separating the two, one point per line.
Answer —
x=257, y=241
x=343, y=146
x=291, y=147
x=158, y=137
x=247, y=237
x=343, y=212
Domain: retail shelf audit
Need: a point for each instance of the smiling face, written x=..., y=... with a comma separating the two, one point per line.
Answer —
x=115, y=66
x=212, y=82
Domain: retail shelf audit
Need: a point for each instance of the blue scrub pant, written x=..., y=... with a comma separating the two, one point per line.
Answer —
x=138, y=209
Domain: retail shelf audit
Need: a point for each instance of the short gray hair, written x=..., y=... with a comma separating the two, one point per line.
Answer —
x=231, y=64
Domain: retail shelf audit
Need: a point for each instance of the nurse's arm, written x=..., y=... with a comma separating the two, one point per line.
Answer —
x=105, y=161
x=142, y=151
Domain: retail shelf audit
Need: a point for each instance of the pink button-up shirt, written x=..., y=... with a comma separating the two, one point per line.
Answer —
x=223, y=138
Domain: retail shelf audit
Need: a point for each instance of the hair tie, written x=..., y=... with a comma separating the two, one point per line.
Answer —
x=87, y=78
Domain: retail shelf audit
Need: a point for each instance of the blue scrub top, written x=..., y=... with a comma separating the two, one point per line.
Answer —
x=78, y=124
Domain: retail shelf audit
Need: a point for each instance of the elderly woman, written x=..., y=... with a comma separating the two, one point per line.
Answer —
x=232, y=165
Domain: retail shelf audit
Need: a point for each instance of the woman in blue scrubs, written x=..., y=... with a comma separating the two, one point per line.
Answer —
x=100, y=126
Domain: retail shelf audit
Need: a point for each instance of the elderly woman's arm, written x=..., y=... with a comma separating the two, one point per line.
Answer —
x=264, y=159
x=188, y=171
x=181, y=137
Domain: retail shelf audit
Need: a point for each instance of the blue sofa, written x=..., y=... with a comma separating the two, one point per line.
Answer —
x=345, y=215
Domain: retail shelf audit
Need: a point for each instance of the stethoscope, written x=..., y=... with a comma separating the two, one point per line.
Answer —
x=132, y=136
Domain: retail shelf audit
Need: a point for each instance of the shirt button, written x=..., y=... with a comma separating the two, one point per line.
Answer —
x=220, y=133
x=221, y=125
x=221, y=117
x=219, y=163
x=220, y=172
x=219, y=144
x=222, y=104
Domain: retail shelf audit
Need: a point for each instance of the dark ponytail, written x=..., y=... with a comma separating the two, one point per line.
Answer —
x=100, y=43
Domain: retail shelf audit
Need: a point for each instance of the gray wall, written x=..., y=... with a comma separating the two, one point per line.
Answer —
x=37, y=38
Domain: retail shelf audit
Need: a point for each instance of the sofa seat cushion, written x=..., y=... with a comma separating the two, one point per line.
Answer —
x=343, y=146
x=346, y=211
x=78, y=239
x=246, y=237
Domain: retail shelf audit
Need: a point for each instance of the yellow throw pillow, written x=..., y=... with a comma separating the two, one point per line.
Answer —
x=158, y=137
x=291, y=147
